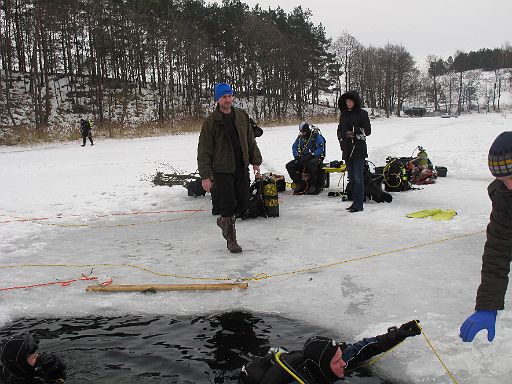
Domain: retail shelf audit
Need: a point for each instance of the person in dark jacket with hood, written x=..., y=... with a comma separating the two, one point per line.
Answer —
x=353, y=128
x=21, y=364
x=226, y=148
x=497, y=255
x=322, y=360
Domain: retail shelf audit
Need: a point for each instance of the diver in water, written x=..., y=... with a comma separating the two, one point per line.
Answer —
x=322, y=360
x=21, y=364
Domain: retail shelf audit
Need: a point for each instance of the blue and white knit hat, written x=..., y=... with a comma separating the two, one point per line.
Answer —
x=500, y=155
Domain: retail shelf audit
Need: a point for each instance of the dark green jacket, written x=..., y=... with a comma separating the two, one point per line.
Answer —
x=215, y=152
x=497, y=250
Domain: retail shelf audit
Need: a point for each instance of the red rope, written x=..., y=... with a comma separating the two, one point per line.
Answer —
x=61, y=283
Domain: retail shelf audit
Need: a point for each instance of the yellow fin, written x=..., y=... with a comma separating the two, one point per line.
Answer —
x=423, y=214
x=447, y=214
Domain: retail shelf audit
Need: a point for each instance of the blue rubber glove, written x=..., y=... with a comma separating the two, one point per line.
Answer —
x=482, y=319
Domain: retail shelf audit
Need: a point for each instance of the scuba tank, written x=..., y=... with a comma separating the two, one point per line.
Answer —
x=270, y=196
x=422, y=157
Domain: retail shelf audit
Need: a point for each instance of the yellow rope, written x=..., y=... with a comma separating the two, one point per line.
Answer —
x=260, y=276
x=431, y=347
x=116, y=265
x=373, y=361
x=437, y=355
x=288, y=370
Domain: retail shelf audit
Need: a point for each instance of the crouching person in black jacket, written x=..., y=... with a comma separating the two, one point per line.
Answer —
x=322, y=360
x=21, y=364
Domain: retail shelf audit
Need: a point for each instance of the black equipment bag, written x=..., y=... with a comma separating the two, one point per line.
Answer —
x=396, y=175
x=441, y=171
x=195, y=187
x=263, y=198
x=372, y=187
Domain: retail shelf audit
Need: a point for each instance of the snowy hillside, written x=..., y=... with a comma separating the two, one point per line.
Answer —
x=67, y=210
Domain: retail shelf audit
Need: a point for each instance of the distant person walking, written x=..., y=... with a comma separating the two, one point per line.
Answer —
x=490, y=296
x=86, y=131
x=353, y=128
x=226, y=148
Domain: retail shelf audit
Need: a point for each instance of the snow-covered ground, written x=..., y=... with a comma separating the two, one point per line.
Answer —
x=388, y=268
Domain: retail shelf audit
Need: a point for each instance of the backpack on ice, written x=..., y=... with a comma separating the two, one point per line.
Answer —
x=195, y=187
x=396, y=174
x=263, y=198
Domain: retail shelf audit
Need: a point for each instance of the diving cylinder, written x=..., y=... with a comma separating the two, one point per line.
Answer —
x=423, y=158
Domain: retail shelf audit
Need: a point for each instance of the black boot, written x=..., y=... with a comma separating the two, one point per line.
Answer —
x=312, y=190
x=300, y=188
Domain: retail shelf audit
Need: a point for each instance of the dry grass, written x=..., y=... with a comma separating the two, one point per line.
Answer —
x=296, y=121
x=24, y=135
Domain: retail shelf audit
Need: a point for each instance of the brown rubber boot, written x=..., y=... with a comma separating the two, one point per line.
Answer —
x=223, y=223
x=231, y=236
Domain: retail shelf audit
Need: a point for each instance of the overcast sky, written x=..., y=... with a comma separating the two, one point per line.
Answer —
x=437, y=27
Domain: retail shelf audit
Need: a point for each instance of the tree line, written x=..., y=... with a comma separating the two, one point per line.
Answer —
x=117, y=57
x=454, y=80
x=112, y=50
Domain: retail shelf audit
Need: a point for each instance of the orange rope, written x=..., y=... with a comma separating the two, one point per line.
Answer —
x=61, y=283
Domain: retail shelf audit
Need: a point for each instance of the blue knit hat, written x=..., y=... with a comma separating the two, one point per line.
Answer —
x=222, y=89
x=500, y=155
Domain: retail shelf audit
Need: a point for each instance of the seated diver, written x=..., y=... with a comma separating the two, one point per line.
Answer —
x=308, y=153
x=322, y=360
x=21, y=364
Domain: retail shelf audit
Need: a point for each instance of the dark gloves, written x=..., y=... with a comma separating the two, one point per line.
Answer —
x=50, y=368
x=395, y=335
x=411, y=328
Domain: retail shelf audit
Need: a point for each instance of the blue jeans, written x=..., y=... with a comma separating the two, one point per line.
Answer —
x=356, y=177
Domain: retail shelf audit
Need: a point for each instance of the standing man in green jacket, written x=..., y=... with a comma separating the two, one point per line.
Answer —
x=226, y=148
x=490, y=296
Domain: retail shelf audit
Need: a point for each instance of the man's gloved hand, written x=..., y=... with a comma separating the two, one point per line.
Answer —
x=50, y=367
x=411, y=328
x=481, y=319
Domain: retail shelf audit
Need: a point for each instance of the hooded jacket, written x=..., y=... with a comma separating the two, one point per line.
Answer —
x=497, y=250
x=357, y=121
x=215, y=152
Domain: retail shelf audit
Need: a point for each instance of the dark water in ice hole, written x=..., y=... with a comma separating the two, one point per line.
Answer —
x=162, y=349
